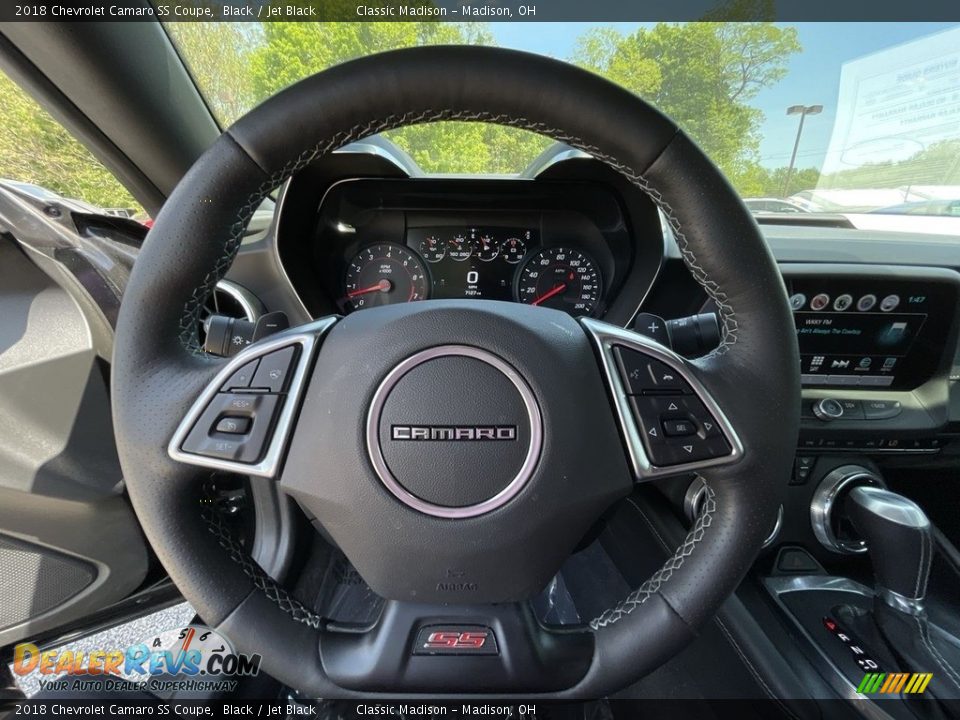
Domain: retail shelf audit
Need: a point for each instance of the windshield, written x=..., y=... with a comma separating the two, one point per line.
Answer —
x=805, y=117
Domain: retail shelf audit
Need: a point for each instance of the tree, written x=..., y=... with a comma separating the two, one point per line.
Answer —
x=35, y=148
x=289, y=52
x=702, y=75
x=216, y=54
x=938, y=164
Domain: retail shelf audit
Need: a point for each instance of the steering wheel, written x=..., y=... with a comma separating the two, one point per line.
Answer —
x=456, y=451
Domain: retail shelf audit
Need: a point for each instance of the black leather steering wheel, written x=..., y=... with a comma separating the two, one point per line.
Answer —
x=456, y=451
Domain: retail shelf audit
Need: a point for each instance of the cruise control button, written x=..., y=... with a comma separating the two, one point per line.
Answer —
x=241, y=378
x=233, y=425
x=218, y=448
x=256, y=411
x=645, y=376
x=881, y=409
x=274, y=369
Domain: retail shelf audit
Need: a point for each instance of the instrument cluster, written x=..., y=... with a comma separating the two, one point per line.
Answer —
x=563, y=244
x=493, y=263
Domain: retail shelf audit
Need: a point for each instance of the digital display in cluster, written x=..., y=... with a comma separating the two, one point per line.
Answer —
x=473, y=262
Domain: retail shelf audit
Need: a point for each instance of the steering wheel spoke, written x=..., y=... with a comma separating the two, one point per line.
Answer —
x=242, y=420
x=670, y=421
x=416, y=647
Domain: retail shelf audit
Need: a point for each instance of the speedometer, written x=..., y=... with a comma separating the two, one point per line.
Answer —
x=561, y=278
x=384, y=274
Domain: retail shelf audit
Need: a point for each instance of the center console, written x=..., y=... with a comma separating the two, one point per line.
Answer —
x=876, y=348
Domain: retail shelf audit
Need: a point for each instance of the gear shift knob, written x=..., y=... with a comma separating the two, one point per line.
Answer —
x=900, y=541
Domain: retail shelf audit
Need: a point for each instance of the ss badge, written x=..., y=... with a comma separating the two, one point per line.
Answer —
x=456, y=640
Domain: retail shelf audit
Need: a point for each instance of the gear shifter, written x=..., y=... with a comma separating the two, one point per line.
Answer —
x=899, y=538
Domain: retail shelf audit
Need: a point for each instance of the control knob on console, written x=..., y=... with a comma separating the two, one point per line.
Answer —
x=828, y=409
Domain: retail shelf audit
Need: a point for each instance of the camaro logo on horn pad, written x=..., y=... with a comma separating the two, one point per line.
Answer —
x=453, y=432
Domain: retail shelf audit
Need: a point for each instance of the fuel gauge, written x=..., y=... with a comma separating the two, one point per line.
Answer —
x=487, y=248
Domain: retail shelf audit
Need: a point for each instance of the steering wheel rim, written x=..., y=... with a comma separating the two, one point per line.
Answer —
x=159, y=371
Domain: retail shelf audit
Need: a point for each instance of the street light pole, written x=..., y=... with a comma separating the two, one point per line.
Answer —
x=802, y=111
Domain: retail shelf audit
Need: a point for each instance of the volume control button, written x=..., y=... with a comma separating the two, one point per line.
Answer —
x=828, y=409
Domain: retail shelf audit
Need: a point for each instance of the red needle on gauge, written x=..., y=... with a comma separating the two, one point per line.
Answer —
x=382, y=286
x=550, y=293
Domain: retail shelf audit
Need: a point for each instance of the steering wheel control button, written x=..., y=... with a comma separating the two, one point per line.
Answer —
x=274, y=369
x=881, y=409
x=645, y=376
x=828, y=409
x=446, y=409
x=679, y=428
x=233, y=425
x=651, y=326
x=242, y=378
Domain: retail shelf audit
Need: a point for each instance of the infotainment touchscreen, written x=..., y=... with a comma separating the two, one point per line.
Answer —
x=874, y=334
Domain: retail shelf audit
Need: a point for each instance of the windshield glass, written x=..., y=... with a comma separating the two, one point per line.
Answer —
x=804, y=117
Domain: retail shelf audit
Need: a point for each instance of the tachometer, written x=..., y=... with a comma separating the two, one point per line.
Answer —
x=561, y=278
x=384, y=274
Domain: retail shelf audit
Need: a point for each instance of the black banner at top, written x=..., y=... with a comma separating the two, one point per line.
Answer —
x=479, y=10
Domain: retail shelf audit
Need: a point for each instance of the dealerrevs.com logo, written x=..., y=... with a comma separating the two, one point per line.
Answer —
x=190, y=658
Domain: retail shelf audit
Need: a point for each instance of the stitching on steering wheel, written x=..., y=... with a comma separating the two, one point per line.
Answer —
x=193, y=307
x=189, y=321
x=652, y=586
x=263, y=582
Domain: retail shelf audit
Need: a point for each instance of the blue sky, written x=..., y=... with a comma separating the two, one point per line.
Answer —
x=813, y=77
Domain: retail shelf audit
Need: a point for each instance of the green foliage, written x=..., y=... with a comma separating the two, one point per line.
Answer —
x=757, y=181
x=291, y=51
x=938, y=164
x=35, y=148
x=701, y=74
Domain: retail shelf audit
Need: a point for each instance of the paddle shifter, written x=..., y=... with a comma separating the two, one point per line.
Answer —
x=900, y=541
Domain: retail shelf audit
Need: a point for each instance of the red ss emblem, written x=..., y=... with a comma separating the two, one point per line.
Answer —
x=456, y=640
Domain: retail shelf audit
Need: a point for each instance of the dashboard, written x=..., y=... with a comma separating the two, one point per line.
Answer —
x=876, y=314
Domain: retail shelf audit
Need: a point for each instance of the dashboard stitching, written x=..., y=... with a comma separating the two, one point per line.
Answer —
x=189, y=320
x=652, y=586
